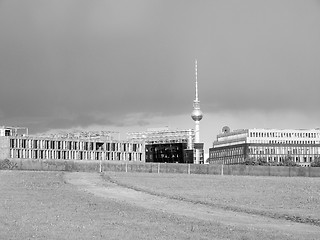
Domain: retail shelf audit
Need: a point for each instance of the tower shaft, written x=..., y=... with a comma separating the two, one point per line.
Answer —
x=197, y=116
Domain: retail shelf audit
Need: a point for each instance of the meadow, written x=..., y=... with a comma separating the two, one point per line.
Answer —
x=43, y=205
x=292, y=198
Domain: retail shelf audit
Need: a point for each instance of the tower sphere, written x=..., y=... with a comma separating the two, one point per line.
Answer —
x=196, y=115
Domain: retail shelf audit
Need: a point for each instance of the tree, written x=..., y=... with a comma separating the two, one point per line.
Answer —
x=249, y=161
x=253, y=161
x=288, y=161
x=262, y=161
x=316, y=162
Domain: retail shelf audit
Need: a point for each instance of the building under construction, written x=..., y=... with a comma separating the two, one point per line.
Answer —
x=15, y=143
x=166, y=146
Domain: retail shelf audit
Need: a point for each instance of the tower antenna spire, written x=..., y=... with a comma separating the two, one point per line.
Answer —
x=196, y=73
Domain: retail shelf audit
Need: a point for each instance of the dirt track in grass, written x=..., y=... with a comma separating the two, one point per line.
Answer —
x=237, y=220
x=295, y=198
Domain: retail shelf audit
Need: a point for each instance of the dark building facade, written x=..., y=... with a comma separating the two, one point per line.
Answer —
x=169, y=153
x=234, y=154
x=167, y=146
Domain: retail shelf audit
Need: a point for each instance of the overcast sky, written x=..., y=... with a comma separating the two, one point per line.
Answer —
x=129, y=65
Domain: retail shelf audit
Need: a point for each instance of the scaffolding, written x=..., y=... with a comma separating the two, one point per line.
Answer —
x=101, y=135
x=163, y=136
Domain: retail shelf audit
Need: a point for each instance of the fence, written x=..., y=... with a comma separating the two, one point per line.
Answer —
x=99, y=166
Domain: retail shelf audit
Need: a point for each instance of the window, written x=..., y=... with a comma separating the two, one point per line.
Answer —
x=11, y=143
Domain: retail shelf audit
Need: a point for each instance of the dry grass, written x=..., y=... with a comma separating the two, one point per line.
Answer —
x=40, y=205
x=294, y=198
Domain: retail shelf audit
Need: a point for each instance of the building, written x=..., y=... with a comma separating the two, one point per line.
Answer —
x=196, y=117
x=13, y=131
x=177, y=146
x=272, y=145
x=166, y=146
x=74, y=146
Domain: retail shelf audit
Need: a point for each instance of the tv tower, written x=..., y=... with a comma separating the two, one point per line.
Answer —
x=197, y=116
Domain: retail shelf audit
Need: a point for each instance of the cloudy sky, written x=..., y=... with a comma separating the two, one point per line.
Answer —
x=128, y=65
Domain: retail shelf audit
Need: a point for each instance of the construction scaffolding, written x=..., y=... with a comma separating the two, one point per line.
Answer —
x=163, y=136
x=77, y=134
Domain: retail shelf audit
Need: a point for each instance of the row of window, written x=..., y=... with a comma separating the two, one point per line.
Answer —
x=276, y=159
x=74, y=145
x=228, y=160
x=162, y=155
x=285, y=134
x=165, y=141
x=74, y=155
x=283, y=142
x=283, y=150
x=297, y=159
x=164, y=149
x=227, y=152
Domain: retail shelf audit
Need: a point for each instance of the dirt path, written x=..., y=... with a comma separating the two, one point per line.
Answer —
x=93, y=183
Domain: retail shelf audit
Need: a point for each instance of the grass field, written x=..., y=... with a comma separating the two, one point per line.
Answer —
x=295, y=198
x=41, y=205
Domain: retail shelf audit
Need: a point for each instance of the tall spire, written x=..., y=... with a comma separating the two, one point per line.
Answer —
x=196, y=114
x=196, y=72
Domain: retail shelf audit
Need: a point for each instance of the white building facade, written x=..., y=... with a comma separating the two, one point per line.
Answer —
x=273, y=145
x=68, y=147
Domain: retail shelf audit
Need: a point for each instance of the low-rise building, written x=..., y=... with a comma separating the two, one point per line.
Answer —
x=73, y=146
x=302, y=146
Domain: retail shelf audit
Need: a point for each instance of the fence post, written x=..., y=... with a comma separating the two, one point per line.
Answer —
x=158, y=167
x=100, y=166
x=221, y=169
x=126, y=167
x=289, y=171
x=189, y=168
x=309, y=169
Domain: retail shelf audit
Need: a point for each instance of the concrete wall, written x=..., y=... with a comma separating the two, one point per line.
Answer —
x=4, y=147
x=97, y=166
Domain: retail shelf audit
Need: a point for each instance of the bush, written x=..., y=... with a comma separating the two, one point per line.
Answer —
x=7, y=164
x=316, y=162
x=262, y=161
x=288, y=161
x=252, y=161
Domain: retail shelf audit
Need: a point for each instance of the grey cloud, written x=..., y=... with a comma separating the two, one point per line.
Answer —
x=78, y=121
x=83, y=121
x=68, y=66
